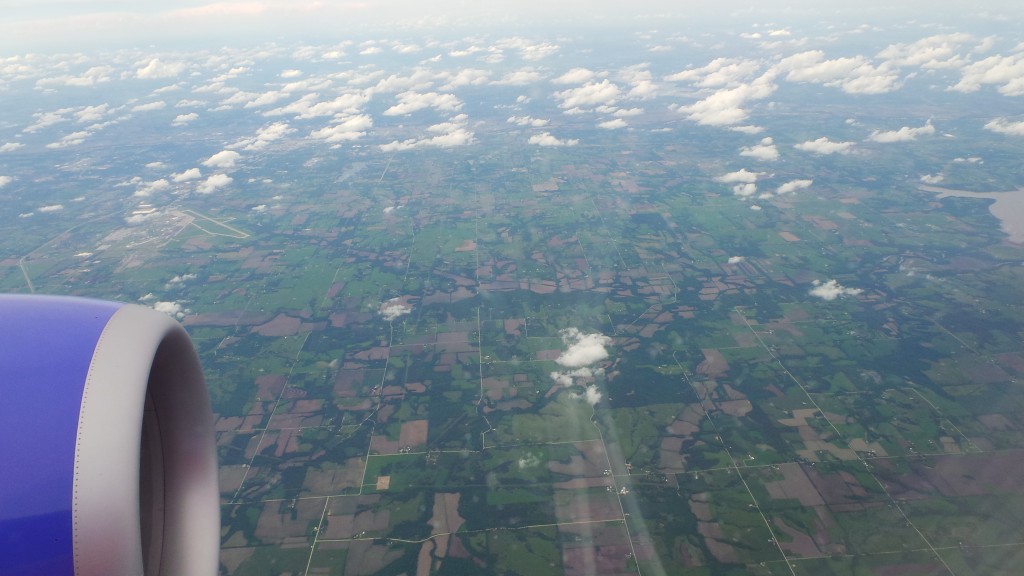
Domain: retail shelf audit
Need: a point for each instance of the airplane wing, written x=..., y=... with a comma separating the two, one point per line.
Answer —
x=107, y=460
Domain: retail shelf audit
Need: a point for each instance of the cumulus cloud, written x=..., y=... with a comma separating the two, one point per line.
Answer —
x=725, y=107
x=449, y=134
x=523, y=77
x=592, y=395
x=310, y=106
x=745, y=190
x=11, y=146
x=546, y=139
x=72, y=139
x=793, y=186
x=576, y=76
x=742, y=176
x=764, y=151
x=150, y=106
x=182, y=119
x=223, y=159
x=154, y=187
x=51, y=208
x=904, y=134
x=583, y=349
x=190, y=174
x=394, y=308
x=999, y=126
x=736, y=259
x=214, y=183
x=825, y=146
x=157, y=69
x=5, y=180
x=170, y=308
x=932, y=178
x=589, y=95
x=718, y=73
x=91, y=77
x=831, y=290
x=527, y=121
x=346, y=129
x=614, y=124
x=409, y=102
x=265, y=136
x=1005, y=71
x=940, y=51
x=854, y=75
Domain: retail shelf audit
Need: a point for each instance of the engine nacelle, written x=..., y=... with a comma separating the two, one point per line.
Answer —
x=107, y=459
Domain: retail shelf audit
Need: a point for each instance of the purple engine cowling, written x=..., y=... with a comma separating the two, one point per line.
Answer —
x=107, y=459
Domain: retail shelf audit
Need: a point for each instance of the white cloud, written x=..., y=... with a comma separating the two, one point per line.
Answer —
x=223, y=159
x=91, y=77
x=291, y=73
x=169, y=308
x=90, y=114
x=576, y=76
x=309, y=106
x=394, y=308
x=11, y=146
x=583, y=349
x=589, y=95
x=153, y=187
x=50, y=208
x=719, y=72
x=854, y=75
x=150, y=106
x=742, y=176
x=725, y=107
x=824, y=146
x=592, y=395
x=930, y=53
x=793, y=186
x=527, y=121
x=904, y=134
x=999, y=126
x=72, y=139
x=831, y=290
x=932, y=178
x=745, y=190
x=182, y=119
x=157, y=69
x=265, y=135
x=523, y=77
x=627, y=112
x=764, y=151
x=47, y=119
x=190, y=174
x=214, y=183
x=1005, y=71
x=346, y=129
x=613, y=124
x=5, y=180
x=546, y=139
x=736, y=259
x=409, y=102
x=182, y=278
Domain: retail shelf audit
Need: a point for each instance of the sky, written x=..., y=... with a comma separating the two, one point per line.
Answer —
x=30, y=26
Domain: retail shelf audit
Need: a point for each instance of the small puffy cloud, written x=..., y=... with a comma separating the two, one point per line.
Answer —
x=157, y=69
x=5, y=180
x=1005, y=71
x=614, y=124
x=546, y=139
x=932, y=178
x=91, y=77
x=854, y=75
x=466, y=77
x=90, y=114
x=589, y=95
x=265, y=135
x=933, y=52
x=170, y=308
x=825, y=146
x=182, y=119
x=223, y=159
x=745, y=190
x=154, y=187
x=726, y=107
x=576, y=76
x=718, y=73
x=527, y=121
x=904, y=134
x=793, y=186
x=190, y=174
x=743, y=176
x=736, y=259
x=291, y=73
x=11, y=146
x=346, y=129
x=394, y=308
x=764, y=151
x=182, y=278
x=150, y=106
x=999, y=126
x=831, y=290
x=72, y=139
x=583, y=349
x=409, y=102
x=50, y=208
x=310, y=106
x=214, y=183
x=523, y=77
x=592, y=395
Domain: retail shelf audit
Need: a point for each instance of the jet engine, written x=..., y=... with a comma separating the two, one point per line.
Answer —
x=107, y=460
